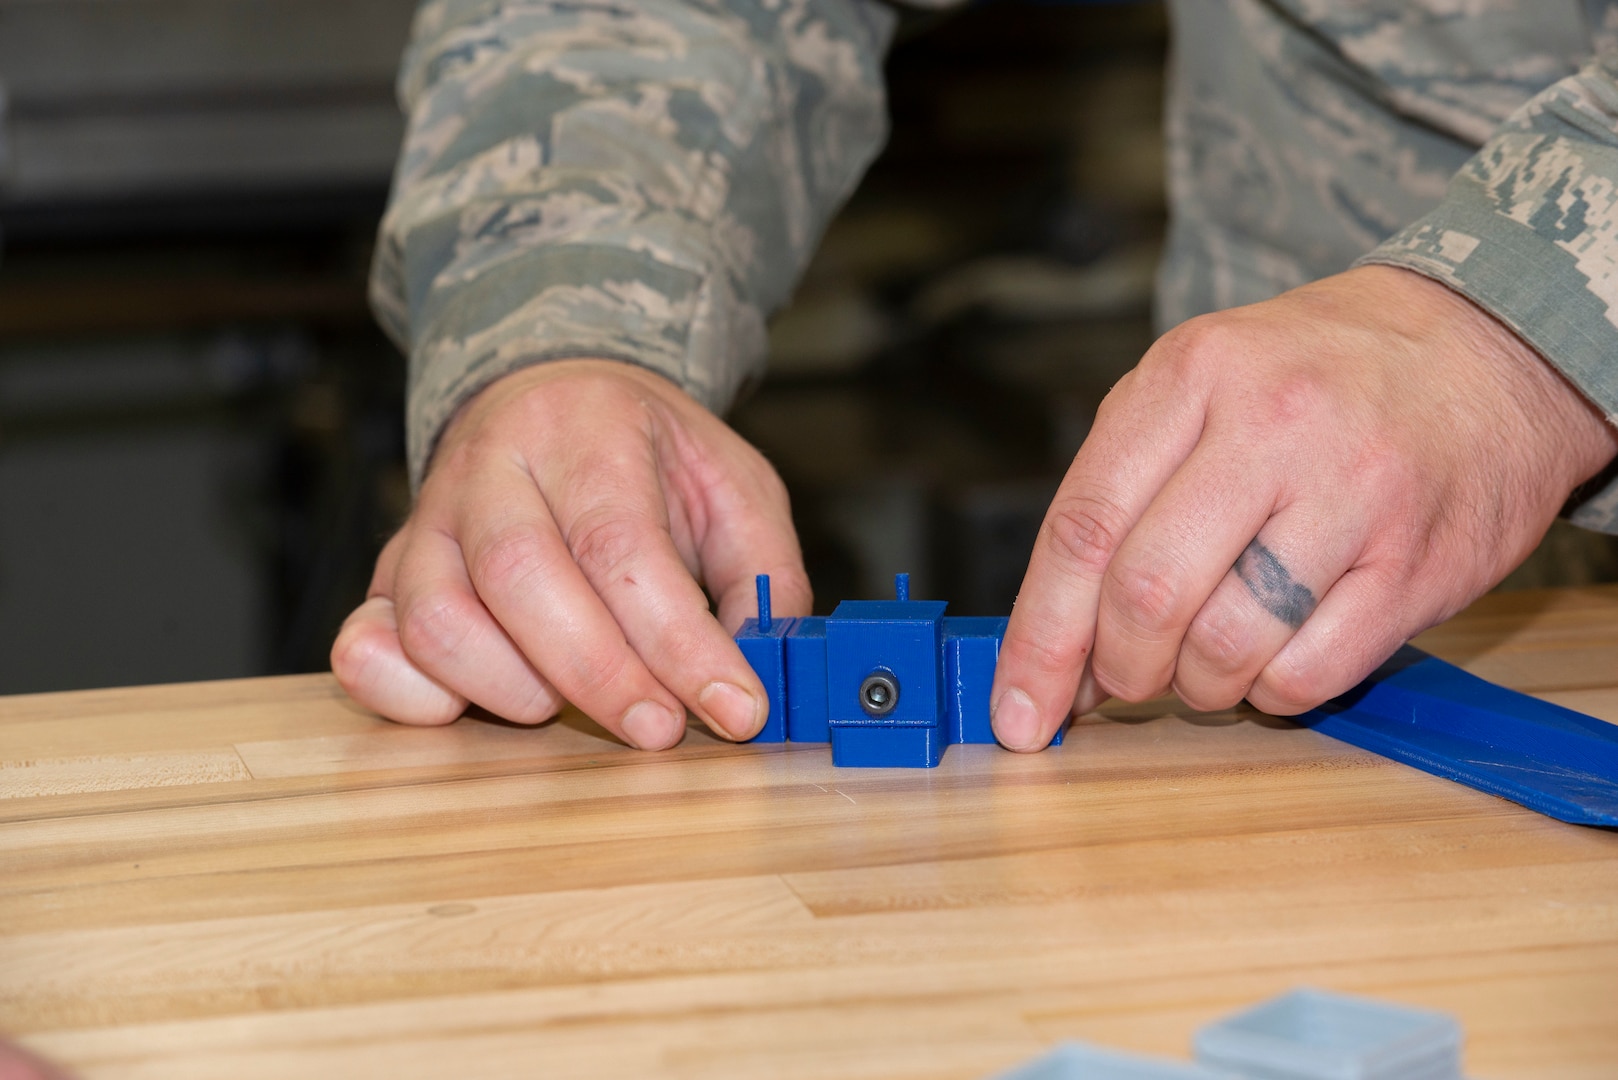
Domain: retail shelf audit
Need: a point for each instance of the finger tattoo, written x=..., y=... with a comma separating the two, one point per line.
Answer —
x=1273, y=587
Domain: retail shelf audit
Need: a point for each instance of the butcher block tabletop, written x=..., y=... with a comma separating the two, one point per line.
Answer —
x=260, y=879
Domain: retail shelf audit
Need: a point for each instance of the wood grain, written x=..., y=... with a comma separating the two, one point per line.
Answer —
x=256, y=878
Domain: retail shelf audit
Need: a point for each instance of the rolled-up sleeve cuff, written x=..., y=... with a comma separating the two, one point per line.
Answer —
x=571, y=301
x=1549, y=272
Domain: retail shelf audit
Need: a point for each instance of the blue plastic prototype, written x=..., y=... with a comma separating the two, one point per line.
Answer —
x=1419, y=710
x=1080, y=1061
x=1315, y=1035
x=889, y=683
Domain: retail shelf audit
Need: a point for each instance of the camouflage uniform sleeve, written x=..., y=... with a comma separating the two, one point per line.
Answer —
x=1528, y=230
x=636, y=179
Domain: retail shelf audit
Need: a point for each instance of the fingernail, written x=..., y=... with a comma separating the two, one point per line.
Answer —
x=1015, y=721
x=651, y=726
x=732, y=708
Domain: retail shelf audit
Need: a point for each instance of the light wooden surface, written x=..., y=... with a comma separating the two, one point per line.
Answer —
x=257, y=879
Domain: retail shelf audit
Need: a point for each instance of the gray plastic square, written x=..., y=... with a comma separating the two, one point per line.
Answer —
x=1078, y=1061
x=1316, y=1035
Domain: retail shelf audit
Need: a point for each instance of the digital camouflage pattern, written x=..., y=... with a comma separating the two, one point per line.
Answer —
x=646, y=179
x=636, y=179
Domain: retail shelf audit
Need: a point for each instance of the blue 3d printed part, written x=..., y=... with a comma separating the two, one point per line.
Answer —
x=1419, y=710
x=889, y=683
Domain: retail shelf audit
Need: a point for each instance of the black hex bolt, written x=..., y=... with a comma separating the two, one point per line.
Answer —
x=879, y=693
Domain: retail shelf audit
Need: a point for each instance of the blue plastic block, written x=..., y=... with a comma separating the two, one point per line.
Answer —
x=1315, y=1035
x=765, y=650
x=902, y=638
x=1078, y=1061
x=1434, y=716
x=898, y=644
x=763, y=642
x=875, y=747
x=971, y=650
x=806, y=676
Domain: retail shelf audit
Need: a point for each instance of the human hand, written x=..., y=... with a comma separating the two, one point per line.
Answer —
x=18, y=1064
x=1280, y=495
x=555, y=553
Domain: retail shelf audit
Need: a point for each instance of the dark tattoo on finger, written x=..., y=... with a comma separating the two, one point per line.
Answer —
x=1273, y=587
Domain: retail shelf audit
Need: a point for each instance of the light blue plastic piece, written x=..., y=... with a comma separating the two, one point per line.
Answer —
x=1316, y=1035
x=1078, y=1061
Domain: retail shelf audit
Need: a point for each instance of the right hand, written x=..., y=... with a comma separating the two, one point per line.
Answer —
x=555, y=553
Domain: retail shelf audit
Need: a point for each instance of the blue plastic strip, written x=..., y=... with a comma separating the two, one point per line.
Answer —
x=1419, y=710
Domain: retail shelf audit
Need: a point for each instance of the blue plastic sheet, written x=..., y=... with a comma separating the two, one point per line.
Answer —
x=1424, y=712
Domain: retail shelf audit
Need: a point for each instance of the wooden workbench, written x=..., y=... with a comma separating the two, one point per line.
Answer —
x=256, y=878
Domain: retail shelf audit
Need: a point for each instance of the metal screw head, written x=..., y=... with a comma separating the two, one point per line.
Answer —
x=879, y=693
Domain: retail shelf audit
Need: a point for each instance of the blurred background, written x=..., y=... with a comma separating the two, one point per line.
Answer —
x=200, y=426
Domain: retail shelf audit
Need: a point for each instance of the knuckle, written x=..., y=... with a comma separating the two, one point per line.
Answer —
x=1196, y=343
x=507, y=560
x=355, y=655
x=1125, y=686
x=1221, y=642
x=605, y=545
x=369, y=671
x=1083, y=532
x=1147, y=596
x=682, y=655
x=1207, y=695
x=434, y=626
x=605, y=674
x=1287, y=690
x=1295, y=399
x=1053, y=653
x=540, y=704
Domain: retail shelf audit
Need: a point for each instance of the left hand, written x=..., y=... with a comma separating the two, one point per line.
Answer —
x=1280, y=495
x=572, y=514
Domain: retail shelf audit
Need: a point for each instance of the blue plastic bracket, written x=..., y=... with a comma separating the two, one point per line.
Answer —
x=888, y=683
x=1419, y=710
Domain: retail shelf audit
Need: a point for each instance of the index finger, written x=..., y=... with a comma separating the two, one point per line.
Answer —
x=613, y=516
x=1144, y=430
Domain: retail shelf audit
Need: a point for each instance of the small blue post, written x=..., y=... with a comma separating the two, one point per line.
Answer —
x=901, y=586
x=762, y=582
